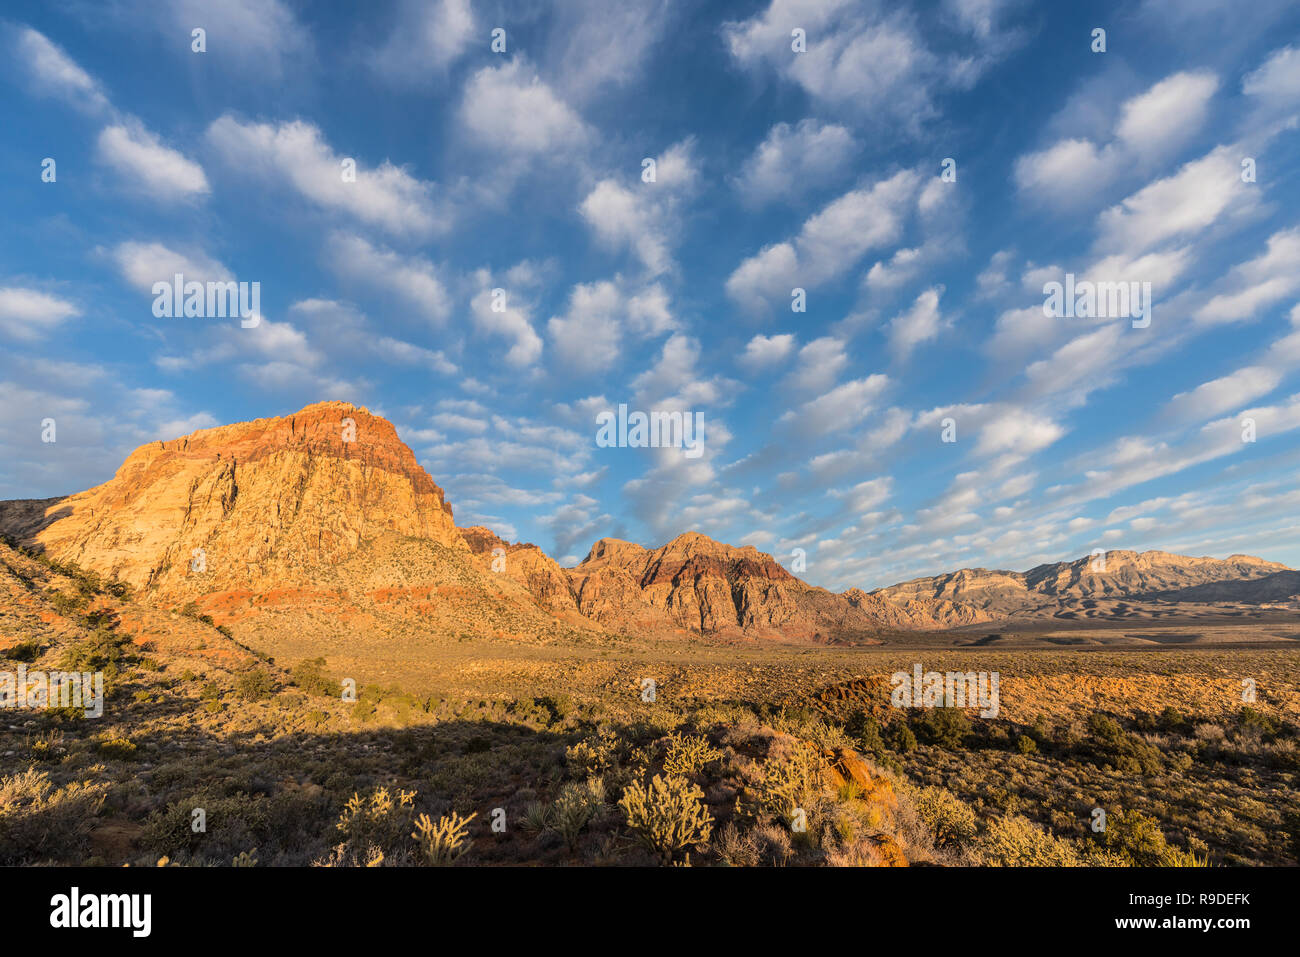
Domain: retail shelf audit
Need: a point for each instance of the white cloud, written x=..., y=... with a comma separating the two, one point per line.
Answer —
x=507, y=316
x=143, y=264
x=589, y=335
x=842, y=407
x=859, y=58
x=918, y=324
x=1251, y=286
x=820, y=364
x=28, y=314
x=763, y=351
x=425, y=40
x=55, y=73
x=1018, y=432
x=386, y=196
x=1185, y=203
x=644, y=218
x=413, y=280
x=829, y=243
x=1067, y=167
x=346, y=334
x=674, y=381
x=866, y=496
x=255, y=38
x=1223, y=394
x=595, y=46
x=1159, y=121
x=509, y=108
x=794, y=160
x=1275, y=86
x=1151, y=127
x=153, y=168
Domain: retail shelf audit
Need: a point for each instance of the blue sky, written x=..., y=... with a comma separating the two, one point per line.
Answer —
x=775, y=169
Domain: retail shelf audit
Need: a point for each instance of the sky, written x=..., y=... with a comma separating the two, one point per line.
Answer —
x=506, y=263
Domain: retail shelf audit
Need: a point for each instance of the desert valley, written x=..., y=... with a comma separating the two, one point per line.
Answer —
x=305, y=654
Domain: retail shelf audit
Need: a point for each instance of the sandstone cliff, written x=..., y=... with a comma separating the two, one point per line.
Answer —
x=249, y=505
x=694, y=583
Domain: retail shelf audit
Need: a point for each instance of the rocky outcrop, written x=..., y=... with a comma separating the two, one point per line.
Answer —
x=248, y=505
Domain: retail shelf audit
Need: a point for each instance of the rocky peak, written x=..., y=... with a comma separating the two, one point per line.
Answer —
x=257, y=501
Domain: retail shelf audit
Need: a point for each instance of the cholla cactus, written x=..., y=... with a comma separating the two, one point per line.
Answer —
x=788, y=783
x=688, y=754
x=669, y=817
x=444, y=842
x=375, y=825
x=594, y=755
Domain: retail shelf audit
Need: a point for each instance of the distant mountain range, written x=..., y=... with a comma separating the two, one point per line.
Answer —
x=324, y=519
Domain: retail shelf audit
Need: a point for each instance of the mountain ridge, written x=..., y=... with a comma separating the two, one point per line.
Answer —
x=230, y=514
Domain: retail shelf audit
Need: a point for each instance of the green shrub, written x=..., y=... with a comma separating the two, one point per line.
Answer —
x=865, y=732
x=951, y=821
x=256, y=685
x=900, y=738
x=575, y=806
x=1138, y=840
x=117, y=747
x=1026, y=745
x=40, y=823
x=943, y=727
x=1015, y=841
x=1267, y=724
x=25, y=651
x=594, y=755
x=66, y=605
x=1125, y=752
x=561, y=706
x=309, y=675
x=787, y=784
x=381, y=822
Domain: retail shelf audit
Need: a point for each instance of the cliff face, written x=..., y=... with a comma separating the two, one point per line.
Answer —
x=245, y=505
x=696, y=584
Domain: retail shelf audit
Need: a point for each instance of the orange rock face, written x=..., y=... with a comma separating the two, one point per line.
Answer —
x=243, y=505
x=696, y=584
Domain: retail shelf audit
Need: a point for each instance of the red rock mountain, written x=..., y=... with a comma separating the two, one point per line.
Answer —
x=248, y=505
x=1063, y=589
x=323, y=521
x=695, y=584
